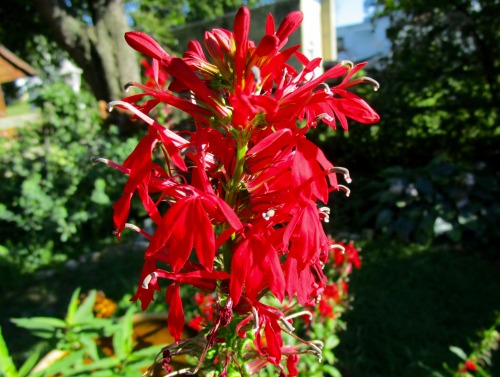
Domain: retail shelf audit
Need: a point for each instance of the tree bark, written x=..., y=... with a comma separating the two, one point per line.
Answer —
x=96, y=44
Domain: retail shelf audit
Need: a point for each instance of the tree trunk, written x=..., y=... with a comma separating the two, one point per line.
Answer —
x=96, y=44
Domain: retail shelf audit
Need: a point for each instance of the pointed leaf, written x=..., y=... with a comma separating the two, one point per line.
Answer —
x=84, y=311
x=73, y=306
x=7, y=367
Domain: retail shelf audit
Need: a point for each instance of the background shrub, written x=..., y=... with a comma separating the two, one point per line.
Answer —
x=53, y=203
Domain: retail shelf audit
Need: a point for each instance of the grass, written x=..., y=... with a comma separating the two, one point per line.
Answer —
x=411, y=304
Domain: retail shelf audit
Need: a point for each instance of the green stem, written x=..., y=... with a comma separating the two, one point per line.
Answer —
x=234, y=187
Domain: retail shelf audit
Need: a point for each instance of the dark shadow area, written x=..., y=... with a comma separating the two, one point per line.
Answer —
x=411, y=305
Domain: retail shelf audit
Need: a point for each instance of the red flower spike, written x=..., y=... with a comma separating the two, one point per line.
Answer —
x=235, y=199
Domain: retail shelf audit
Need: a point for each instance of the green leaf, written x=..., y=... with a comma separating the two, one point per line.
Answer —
x=102, y=364
x=30, y=363
x=122, y=339
x=46, y=324
x=328, y=356
x=90, y=347
x=331, y=342
x=334, y=372
x=145, y=355
x=73, y=306
x=64, y=366
x=84, y=311
x=7, y=366
x=459, y=352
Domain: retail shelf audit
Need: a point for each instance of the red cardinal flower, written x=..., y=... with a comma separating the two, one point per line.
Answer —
x=235, y=199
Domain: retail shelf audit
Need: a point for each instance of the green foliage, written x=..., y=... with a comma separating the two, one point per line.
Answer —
x=157, y=17
x=439, y=90
x=457, y=200
x=7, y=366
x=480, y=355
x=53, y=202
x=78, y=336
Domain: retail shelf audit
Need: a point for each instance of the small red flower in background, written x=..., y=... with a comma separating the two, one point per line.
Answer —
x=237, y=203
x=469, y=366
x=206, y=304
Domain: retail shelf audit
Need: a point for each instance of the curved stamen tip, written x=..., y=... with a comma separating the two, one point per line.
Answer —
x=323, y=86
x=287, y=324
x=127, y=86
x=337, y=246
x=300, y=314
x=345, y=189
x=147, y=280
x=374, y=83
x=318, y=343
x=96, y=160
x=343, y=171
x=325, y=211
x=255, y=320
x=323, y=116
x=347, y=63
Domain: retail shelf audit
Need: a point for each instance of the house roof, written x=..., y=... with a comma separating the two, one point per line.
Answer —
x=13, y=67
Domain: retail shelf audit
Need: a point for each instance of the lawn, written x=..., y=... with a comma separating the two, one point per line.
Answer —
x=411, y=304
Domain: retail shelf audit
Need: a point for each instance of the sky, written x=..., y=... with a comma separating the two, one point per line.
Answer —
x=349, y=12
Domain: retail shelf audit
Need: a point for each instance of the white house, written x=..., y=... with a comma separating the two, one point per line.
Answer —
x=366, y=41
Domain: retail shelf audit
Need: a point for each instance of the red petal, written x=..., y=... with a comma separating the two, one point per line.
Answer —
x=204, y=239
x=175, y=311
x=241, y=29
x=242, y=258
x=289, y=24
x=270, y=24
x=146, y=45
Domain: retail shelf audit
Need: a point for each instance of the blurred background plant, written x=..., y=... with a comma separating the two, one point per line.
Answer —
x=90, y=340
x=458, y=200
x=54, y=204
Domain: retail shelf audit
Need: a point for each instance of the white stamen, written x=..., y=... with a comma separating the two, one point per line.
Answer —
x=323, y=116
x=127, y=86
x=347, y=63
x=343, y=171
x=345, y=189
x=337, y=246
x=95, y=160
x=326, y=88
x=373, y=82
x=300, y=314
x=176, y=139
x=256, y=74
x=287, y=324
x=147, y=280
x=326, y=212
x=133, y=109
x=267, y=215
x=255, y=320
